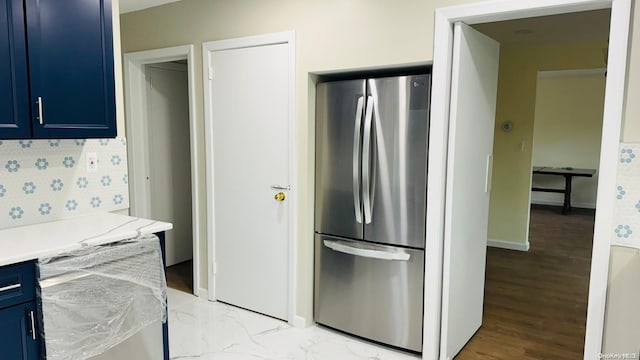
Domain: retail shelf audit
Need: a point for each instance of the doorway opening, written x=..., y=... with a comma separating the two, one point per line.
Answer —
x=457, y=55
x=170, y=166
x=548, y=129
x=162, y=154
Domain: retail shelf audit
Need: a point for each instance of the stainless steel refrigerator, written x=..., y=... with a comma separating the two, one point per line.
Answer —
x=370, y=196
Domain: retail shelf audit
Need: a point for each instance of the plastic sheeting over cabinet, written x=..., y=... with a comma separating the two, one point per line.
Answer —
x=96, y=297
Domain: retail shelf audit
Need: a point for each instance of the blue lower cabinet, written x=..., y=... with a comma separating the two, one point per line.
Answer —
x=19, y=336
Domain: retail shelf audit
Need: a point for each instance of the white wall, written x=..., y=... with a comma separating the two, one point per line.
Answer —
x=567, y=131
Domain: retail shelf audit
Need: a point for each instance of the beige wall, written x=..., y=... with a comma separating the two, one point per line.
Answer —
x=567, y=131
x=331, y=35
x=519, y=66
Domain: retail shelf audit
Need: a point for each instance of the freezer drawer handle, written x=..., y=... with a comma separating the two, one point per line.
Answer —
x=9, y=287
x=356, y=160
x=369, y=253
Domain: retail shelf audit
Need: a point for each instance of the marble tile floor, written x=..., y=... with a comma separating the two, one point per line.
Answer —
x=199, y=329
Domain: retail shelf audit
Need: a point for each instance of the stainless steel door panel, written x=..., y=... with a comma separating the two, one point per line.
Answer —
x=373, y=291
x=340, y=109
x=397, y=171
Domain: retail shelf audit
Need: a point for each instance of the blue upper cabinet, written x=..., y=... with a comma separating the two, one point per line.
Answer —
x=58, y=80
x=14, y=90
x=70, y=52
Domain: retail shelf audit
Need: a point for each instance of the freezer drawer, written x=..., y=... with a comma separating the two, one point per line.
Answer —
x=368, y=290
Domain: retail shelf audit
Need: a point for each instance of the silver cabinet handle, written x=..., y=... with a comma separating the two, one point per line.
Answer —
x=40, y=103
x=10, y=287
x=368, y=252
x=357, y=205
x=33, y=325
x=280, y=187
x=366, y=160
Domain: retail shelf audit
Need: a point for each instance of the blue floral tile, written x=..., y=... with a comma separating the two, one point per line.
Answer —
x=71, y=205
x=45, y=180
x=57, y=185
x=623, y=231
x=45, y=209
x=106, y=180
x=42, y=164
x=82, y=182
x=627, y=204
x=16, y=213
x=29, y=188
x=68, y=162
x=627, y=156
x=25, y=144
x=95, y=202
x=12, y=166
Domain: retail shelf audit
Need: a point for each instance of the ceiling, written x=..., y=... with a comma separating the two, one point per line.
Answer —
x=135, y=5
x=572, y=27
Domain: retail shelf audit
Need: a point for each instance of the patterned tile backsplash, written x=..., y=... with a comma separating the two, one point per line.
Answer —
x=626, y=230
x=46, y=180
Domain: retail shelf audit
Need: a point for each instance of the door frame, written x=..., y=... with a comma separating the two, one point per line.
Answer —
x=286, y=37
x=137, y=146
x=438, y=143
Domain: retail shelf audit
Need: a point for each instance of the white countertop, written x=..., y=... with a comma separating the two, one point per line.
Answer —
x=48, y=239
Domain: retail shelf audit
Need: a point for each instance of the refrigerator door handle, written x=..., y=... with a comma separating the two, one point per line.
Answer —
x=366, y=161
x=368, y=252
x=357, y=205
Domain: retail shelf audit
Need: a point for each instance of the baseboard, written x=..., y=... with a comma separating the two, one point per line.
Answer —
x=299, y=322
x=202, y=293
x=508, y=245
x=560, y=204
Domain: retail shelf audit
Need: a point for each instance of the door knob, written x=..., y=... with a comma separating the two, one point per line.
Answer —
x=280, y=196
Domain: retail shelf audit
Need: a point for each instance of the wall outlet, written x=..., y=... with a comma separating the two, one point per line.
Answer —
x=92, y=162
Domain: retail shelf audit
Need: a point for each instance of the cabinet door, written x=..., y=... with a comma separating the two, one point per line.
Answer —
x=70, y=51
x=18, y=334
x=14, y=95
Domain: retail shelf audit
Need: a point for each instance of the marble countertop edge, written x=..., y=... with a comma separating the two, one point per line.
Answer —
x=29, y=242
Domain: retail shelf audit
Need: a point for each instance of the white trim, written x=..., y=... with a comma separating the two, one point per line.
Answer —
x=509, y=245
x=561, y=203
x=137, y=144
x=299, y=322
x=614, y=97
x=571, y=73
x=607, y=170
x=202, y=293
x=287, y=37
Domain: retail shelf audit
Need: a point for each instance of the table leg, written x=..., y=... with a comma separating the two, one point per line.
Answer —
x=567, y=194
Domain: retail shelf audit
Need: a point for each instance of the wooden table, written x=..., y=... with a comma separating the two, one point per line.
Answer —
x=568, y=173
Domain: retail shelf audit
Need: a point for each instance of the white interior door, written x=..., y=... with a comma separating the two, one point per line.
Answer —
x=169, y=156
x=249, y=110
x=472, y=117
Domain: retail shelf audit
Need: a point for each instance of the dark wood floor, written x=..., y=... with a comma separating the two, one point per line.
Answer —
x=536, y=302
x=180, y=276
